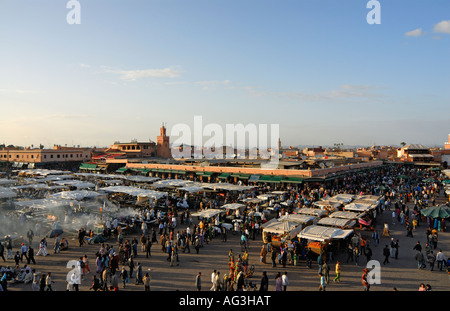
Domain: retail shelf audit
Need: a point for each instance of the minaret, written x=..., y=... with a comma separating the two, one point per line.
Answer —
x=162, y=144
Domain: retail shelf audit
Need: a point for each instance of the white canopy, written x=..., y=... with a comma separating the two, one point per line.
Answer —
x=326, y=203
x=337, y=222
x=297, y=218
x=282, y=227
x=6, y=193
x=345, y=215
x=101, y=176
x=43, y=172
x=322, y=233
x=136, y=191
x=446, y=172
x=343, y=197
x=358, y=207
x=232, y=206
x=226, y=186
x=75, y=183
x=37, y=186
x=171, y=183
x=310, y=211
x=137, y=178
x=191, y=188
x=251, y=200
x=44, y=203
x=265, y=196
x=5, y=181
x=207, y=213
x=76, y=195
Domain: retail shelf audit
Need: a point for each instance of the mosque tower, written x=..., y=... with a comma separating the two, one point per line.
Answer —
x=162, y=144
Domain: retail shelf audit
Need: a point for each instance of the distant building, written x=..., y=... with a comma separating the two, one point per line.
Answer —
x=447, y=144
x=133, y=149
x=23, y=157
x=163, y=144
x=415, y=153
x=312, y=152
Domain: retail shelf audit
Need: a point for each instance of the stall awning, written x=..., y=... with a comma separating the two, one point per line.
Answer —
x=292, y=180
x=224, y=175
x=254, y=178
x=323, y=233
x=121, y=170
x=270, y=179
x=88, y=166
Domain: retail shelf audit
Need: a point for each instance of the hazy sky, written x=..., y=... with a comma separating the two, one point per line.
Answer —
x=316, y=68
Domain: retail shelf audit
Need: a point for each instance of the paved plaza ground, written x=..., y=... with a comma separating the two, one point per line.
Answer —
x=401, y=273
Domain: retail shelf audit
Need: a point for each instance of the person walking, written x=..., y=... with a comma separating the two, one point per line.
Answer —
x=148, y=248
x=431, y=260
x=139, y=277
x=284, y=281
x=124, y=276
x=86, y=264
x=337, y=269
x=57, y=248
x=364, y=280
x=213, y=278
x=263, y=254
x=23, y=252
x=396, y=247
x=264, y=286
x=322, y=283
x=48, y=282
x=349, y=253
x=2, y=251
x=216, y=285
x=30, y=235
x=9, y=253
x=368, y=253
x=274, y=258
x=386, y=254
x=95, y=283
x=356, y=254
x=198, y=282
x=146, y=280
x=278, y=282
x=326, y=271
x=440, y=258
x=420, y=260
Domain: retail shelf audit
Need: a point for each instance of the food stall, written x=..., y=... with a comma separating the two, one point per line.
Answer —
x=279, y=231
x=319, y=237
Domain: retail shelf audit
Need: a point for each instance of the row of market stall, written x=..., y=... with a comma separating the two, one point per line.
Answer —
x=332, y=219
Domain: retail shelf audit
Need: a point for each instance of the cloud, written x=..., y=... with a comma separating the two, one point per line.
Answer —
x=133, y=75
x=345, y=92
x=206, y=85
x=442, y=27
x=415, y=33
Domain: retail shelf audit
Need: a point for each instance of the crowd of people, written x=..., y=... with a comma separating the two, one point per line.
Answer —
x=403, y=198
